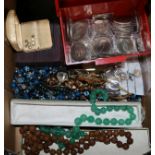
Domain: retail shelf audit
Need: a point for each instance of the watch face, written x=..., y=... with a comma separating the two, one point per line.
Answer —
x=78, y=52
x=79, y=30
x=125, y=45
x=101, y=47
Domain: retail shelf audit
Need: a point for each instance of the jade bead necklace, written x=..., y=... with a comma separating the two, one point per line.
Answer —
x=98, y=121
x=72, y=134
x=106, y=121
x=75, y=133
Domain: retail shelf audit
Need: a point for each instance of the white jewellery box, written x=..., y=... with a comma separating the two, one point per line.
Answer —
x=29, y=36
x=63, y=113
x=140, y=146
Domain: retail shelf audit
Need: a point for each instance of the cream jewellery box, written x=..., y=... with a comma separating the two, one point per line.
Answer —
x=29, y=36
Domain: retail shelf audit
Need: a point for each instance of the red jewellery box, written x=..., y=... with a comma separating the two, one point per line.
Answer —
x=126, y=36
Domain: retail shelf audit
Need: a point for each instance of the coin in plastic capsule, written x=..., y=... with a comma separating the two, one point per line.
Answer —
x=78, y=52
x=102, y=47
x=79, y=30
x=125, y=45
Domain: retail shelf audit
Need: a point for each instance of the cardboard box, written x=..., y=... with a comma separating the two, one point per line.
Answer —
x=12, y=138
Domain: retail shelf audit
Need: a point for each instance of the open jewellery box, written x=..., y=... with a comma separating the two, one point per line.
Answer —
x=73, y=10
x=29, y=36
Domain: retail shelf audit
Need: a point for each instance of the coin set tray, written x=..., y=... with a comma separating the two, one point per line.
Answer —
x=102, y=36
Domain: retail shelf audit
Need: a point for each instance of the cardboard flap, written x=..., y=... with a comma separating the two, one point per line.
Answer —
x=13, y=30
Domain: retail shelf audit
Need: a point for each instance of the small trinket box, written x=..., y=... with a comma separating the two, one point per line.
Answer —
x=29, y=36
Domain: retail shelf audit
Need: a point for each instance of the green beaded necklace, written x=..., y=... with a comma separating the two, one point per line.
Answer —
x=98, y=121
x=72, y=134
x=75, y=133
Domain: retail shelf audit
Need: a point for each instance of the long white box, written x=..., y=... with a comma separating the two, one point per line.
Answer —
x=140, y=146
x=63, y=113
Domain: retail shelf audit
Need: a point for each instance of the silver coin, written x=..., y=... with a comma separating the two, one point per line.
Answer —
x=101, y=27
x=123, y=20
x=123, y=25
x=102, y=47
x=79, y=30
x=125, y=45
x=127, y=30
x=78, y=51
x=102, y=16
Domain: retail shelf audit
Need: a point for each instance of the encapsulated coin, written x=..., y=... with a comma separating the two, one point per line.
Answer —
x=78, y=51
x=101, y=47
x=102, y=16
x=79, y=30
x=123, y=25
x=125, y=45
x=101, y=27
x=123, y=20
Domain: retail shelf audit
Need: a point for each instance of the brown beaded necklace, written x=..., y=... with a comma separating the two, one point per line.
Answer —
x=35, y=141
